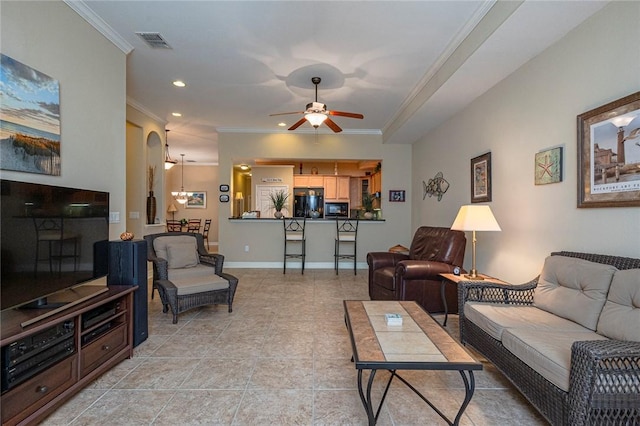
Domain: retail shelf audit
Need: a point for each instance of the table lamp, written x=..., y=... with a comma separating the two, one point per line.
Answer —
x=475, y=218
x=239, y=204
x=172, y=209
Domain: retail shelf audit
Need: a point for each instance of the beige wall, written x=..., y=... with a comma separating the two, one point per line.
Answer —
x=265, y=239
x=52, y=38
x=533, y=109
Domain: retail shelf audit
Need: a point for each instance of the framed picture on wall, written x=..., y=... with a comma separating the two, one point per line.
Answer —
x=197, y=200
x=481, y=178
x=548, y=166
x=609, y=154
x=396, y=195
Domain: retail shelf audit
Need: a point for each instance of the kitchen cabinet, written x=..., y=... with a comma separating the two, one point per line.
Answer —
x=336, y=187
x=308, y=181
x=375, y=183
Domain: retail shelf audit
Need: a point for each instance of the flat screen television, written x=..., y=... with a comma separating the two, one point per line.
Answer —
x=52, y=240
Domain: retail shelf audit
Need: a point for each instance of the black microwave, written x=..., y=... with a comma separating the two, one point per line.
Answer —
x=336, y=209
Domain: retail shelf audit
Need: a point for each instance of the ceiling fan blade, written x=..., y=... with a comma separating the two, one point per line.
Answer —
x=286, y=113
x=332, y=125
x=298, y=123
x=346, y=114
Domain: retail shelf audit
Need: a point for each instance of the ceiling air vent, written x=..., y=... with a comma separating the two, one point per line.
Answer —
x=154, y=40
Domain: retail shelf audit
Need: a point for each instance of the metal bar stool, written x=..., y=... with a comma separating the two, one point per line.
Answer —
x=294, y=234
x=346, y=233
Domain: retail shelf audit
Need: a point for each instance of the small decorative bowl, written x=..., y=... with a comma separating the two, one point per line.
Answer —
x=126, y=236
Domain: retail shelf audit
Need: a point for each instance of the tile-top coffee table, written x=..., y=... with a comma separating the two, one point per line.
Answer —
x=420, y=343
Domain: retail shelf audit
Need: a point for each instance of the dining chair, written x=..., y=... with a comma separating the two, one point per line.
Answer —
x=294, y=234
x=174, y=226
x=346, y=233
x=205, y=231
x=194, y=225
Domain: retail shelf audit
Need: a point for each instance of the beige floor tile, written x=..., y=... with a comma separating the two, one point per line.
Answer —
x=275, y=407
x=74, y=407
x=200, y=407
x=158, y=373
x=343, y=407
x=337, y=373
x=220, y=373
x=282, y=373
x=125, y=407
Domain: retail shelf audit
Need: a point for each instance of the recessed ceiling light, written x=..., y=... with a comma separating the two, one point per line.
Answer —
x=176, y=114
x=281, y=124
x=179, y=83
x=244, y=166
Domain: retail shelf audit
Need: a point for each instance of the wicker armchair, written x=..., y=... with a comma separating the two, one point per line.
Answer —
x=185, y=275
x=604, y=387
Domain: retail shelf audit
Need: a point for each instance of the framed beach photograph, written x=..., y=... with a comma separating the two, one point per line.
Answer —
x=197, y=200
x=30, y=125
x=609, y=154
x=548, y=166
x=481, y=178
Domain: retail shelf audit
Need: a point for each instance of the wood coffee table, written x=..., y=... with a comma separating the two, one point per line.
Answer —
x=420, y=343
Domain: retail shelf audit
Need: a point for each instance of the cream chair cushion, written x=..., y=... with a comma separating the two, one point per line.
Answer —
x=574, y=289
x=180, y=251
x=620, y=318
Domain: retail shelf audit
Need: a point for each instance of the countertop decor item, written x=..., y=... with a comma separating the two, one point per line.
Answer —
x=126, y=236
x=278, y=201
x=151, y=200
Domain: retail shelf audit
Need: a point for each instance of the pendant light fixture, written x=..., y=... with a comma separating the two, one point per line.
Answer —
x=181, y=196
x=168, y=162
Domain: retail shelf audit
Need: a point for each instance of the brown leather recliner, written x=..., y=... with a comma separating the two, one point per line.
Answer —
x=397, y=276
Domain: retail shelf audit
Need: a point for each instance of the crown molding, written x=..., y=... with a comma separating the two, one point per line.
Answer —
x=81, y=8
x=135, y=104
x=376, y=132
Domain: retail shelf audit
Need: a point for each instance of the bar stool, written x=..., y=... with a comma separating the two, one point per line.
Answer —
x=346, y=233
x=205, y=232
x=294, y=234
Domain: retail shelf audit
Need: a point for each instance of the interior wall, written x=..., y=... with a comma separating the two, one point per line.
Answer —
x=532, y=110
x=235, y=147
x=55, y=40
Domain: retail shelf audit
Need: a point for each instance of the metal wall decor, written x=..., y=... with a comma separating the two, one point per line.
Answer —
x=436, y=187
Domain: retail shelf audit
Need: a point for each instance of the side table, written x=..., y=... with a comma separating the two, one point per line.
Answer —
x=455, y=279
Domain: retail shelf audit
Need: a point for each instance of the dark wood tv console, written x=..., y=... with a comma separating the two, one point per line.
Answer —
x=46, y=363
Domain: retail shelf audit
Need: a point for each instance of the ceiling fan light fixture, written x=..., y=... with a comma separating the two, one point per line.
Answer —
x=315, y=118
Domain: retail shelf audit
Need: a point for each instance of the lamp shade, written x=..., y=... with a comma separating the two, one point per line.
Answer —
x=239, y=196
x=315, y=118
x=172, y=208
x=475, y=218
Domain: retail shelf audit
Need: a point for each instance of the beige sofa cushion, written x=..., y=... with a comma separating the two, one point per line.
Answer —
x=196, y=280
x=620, y=318
x=572, y=288
x=495, y=319
x=180, y=251
x=546, y=352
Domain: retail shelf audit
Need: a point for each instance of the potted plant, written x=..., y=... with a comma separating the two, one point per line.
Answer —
x=367, y=205
x=278, y=201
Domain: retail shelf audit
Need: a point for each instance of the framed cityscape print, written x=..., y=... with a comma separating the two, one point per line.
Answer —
x=197, y=200
x=481, y=178
x=548, y=166
x=609, y=154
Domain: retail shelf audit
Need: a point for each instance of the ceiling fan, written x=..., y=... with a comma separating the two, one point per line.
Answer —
x=317, y=113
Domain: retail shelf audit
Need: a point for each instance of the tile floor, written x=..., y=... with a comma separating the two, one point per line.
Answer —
x=281, y=358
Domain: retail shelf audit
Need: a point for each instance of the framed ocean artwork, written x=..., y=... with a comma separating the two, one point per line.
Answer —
x=29, y=119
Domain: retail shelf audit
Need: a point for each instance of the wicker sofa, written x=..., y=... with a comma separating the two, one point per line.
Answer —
x=569, y=340
x=186, y=275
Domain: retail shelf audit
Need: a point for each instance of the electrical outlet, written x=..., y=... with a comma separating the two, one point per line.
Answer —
x=246, y=249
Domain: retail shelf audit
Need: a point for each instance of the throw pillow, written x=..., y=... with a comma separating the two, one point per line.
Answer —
x=574, y=289
x=621, y=313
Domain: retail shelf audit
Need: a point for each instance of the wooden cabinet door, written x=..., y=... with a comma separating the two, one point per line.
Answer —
x=301, y=181
x=316, y=181
x=330, y=188
x=376, y=183
x=343, y=187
